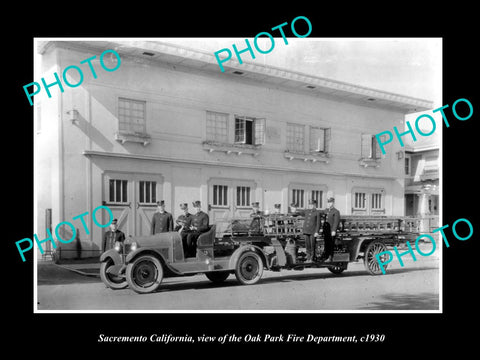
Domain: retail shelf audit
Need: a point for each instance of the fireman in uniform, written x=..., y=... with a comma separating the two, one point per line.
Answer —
x=330, y=229
x=162, y=221
x=257, y=221
x=113, y=235
x=256, y=210
x=198, y=225
x=311, y=225
x=183, y=224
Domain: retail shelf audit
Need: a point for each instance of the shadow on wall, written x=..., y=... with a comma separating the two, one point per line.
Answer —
x=423, y=301
x=93, y=133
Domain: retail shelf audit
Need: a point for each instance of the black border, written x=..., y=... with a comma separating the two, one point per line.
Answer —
x=79, y=332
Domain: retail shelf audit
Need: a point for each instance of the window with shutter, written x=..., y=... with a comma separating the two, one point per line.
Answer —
x=366, y=150
x=259, y=129
x=317, y=139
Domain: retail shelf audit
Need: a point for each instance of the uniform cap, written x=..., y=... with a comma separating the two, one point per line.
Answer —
x=161, y=203
x=197, y=203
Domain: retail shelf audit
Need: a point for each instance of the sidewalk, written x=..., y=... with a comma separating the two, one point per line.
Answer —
x=85, y=266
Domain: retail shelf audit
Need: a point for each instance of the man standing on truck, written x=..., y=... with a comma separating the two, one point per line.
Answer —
x=198, y=225
x=330, y=229
x=311, y=225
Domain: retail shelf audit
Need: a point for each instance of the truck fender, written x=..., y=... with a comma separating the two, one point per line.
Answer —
x=357, y=245
x=236, y=255
x=131, y=256
x=113, y=254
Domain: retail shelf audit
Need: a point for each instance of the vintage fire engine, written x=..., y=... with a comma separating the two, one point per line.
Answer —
x=246, y=248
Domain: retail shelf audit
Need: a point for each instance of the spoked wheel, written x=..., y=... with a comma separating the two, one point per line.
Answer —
x=217, y=276
x=338, y=268
x=144, y=274
x=370, y=259
x=111, y=280
x=249, y=268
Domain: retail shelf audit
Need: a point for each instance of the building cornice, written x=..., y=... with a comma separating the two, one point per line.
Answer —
x=269, y=75
x=94, y=153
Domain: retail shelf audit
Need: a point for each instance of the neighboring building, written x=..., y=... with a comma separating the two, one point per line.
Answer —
x=169, y=125
x=422, y=184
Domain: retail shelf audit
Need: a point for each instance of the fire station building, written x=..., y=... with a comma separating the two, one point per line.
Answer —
x=169, y=125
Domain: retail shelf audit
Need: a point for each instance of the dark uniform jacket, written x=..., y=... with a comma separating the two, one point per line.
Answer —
x=256, y=213
x=162, y=222
x=311, y=224
x=333, y=218
x=111, y=237
x=200, y=220
x=184, y=220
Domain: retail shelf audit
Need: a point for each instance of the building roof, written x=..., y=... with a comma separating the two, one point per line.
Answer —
x=157, y=51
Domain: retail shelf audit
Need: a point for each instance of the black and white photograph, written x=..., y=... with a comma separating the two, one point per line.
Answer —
x=289, y=174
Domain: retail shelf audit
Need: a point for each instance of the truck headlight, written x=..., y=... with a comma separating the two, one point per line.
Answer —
x=117, y=246
x=133, y=246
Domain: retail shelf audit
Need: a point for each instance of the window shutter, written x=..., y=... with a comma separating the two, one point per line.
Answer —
x=328, y=136
x=259, y=131
x=378, y=152
x=366, y=146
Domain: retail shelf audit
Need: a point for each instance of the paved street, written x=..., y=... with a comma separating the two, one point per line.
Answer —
x=413, y=287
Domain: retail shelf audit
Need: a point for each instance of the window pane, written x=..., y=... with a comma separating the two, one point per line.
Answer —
x=118, y=190
x=215, y=201
x=248, y=197
x=154, y=192
x=124, y=191
x=131, y=115
x=217, y=126
x=225, y=196
x=111, y=197
x=142, y=187
x=238, y=195
x=147, y=191
x=295, y=137
x=239, y=130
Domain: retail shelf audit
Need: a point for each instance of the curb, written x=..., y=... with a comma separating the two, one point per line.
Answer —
x=78, y=271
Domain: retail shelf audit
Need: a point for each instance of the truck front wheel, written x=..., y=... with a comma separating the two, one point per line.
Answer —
x=144, y=274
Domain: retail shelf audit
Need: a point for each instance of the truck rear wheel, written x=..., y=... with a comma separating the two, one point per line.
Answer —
x=370, y=258
x=144, y=274
x=249, y=268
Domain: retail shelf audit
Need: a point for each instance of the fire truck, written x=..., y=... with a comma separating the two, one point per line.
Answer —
x=247, y=247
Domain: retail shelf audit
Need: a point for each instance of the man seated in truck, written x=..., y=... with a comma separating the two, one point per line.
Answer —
x=183, y=223
x=198, y=225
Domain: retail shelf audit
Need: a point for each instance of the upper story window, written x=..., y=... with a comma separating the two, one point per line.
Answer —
x=319, y=139
x=295, y=137
x=217, y=126
x=250, y=131
x=131, y=116
x=407, y=165
x=370, y=148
